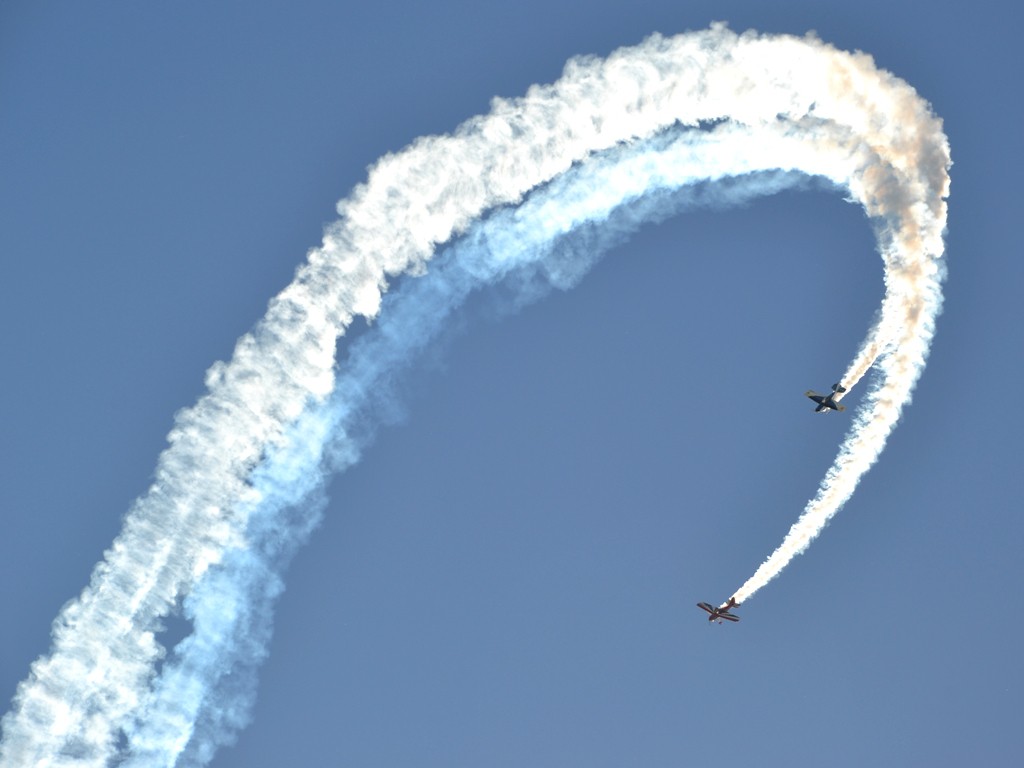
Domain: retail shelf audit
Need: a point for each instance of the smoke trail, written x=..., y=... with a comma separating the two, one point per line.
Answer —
x=240, y=485
x=909, y=213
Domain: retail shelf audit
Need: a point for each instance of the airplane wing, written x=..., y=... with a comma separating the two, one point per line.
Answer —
x=728, y=616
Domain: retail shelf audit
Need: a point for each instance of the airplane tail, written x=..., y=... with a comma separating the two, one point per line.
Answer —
x=838, y=388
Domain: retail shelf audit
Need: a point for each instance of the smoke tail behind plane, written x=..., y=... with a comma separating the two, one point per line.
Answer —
x=529, y=195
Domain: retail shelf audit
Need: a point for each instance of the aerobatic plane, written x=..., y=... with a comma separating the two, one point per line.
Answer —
x=720, y=613
x=827, y=402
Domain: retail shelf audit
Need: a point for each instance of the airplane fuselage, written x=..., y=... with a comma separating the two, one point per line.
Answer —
x=827, y=402
x=717, y=614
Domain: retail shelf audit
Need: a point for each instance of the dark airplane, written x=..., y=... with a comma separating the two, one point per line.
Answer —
x=827, y=402
x=720, y=613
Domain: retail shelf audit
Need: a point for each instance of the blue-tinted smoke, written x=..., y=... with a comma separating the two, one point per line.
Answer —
x=205, y=690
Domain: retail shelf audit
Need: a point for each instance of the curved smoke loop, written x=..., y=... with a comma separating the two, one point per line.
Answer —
x=635, y=137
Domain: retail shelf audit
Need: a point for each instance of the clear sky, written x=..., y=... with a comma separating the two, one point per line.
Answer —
x=508, y=578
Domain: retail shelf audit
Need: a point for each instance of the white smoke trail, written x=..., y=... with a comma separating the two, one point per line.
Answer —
x=539, y=244
x=910, y=213
x=221, y=520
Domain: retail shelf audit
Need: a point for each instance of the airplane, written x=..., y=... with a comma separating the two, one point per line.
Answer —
x=720, y=613
x=827, y=402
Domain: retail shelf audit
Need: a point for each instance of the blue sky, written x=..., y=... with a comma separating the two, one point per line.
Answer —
x=508, y=576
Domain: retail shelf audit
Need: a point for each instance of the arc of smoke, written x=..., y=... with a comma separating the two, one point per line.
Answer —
x=536, y=246
x=236, y=466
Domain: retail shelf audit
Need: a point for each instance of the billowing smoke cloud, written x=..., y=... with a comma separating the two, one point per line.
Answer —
x=526, y=197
